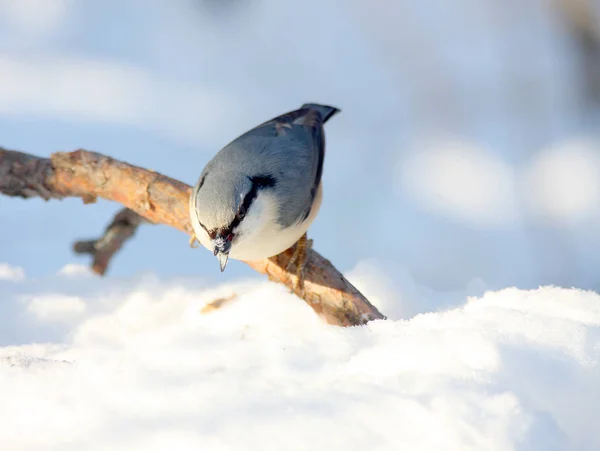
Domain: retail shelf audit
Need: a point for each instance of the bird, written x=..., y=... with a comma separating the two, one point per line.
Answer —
x=260, y=193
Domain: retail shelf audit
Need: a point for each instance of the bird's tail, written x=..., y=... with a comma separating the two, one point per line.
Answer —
x=325, y=111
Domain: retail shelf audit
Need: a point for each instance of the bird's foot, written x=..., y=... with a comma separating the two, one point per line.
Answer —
x=299, y=258
x=194, y=242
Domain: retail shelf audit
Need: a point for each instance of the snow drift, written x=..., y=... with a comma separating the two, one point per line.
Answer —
x=89, y=364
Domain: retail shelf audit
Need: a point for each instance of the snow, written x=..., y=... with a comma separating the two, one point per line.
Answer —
x=135, y=364
x=75, y=270
x=13, y=273
x=477, y=158
x=55, y=307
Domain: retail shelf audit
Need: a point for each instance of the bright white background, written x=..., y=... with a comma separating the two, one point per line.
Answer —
x=465, y=160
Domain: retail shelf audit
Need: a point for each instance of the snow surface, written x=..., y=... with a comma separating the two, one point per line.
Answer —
x=466, y=123
x=134, y=364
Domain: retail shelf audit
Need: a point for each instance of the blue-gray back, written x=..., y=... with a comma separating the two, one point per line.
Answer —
x=289, y=148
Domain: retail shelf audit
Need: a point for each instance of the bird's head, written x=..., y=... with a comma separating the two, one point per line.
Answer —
x=225, y=208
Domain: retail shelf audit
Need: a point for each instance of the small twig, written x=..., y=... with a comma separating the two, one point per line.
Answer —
x=104, y=248
x=216, y=304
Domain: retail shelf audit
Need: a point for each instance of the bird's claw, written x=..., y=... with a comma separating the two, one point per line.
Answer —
x=299, y=256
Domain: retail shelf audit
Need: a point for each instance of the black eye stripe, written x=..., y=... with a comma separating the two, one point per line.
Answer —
x=263, y=181
x=258, y=182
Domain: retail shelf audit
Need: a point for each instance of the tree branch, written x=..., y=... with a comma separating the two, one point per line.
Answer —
x=104, y=248
x=162, y=200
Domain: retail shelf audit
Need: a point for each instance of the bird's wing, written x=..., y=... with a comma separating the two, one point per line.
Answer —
x=299, y=131
x=306, y=121
x=302, y=121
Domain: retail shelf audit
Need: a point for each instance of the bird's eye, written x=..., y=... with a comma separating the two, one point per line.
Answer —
x=242, y=213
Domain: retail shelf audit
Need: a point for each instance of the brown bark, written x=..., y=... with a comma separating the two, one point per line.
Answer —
x=104, y=248
x=163, y=200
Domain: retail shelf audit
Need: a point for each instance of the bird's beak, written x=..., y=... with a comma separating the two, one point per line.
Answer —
x=221, y=250
x=223, y=257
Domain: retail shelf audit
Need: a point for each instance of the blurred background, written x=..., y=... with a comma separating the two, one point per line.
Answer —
x=466, y=156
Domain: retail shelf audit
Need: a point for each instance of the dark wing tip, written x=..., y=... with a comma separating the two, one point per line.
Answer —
x=326, y=111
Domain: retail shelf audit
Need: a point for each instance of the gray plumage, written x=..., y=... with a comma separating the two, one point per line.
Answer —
x=290, y=148
x=284, y=157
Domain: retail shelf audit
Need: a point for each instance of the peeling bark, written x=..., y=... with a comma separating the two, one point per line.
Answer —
x=153, y=197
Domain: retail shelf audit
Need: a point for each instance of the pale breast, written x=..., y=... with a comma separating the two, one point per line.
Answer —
x=265, y=238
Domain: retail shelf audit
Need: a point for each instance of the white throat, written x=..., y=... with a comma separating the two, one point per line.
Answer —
x=259, y=235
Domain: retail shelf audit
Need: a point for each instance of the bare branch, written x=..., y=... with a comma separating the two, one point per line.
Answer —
x=163, y=200
x=23, y=175
x=104, y=248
